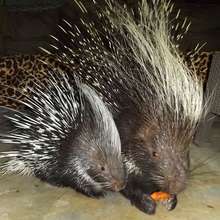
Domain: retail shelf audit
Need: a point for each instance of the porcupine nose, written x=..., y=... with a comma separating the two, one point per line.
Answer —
x=176, y=184
x=117, y=185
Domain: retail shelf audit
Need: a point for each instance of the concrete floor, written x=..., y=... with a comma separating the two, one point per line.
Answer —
x=26, y=198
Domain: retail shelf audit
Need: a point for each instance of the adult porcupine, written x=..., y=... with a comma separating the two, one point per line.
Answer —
x=65, y=136
x=132, y=60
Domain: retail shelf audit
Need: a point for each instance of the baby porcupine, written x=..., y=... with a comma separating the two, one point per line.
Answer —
x=65, y=136
x=132, y=59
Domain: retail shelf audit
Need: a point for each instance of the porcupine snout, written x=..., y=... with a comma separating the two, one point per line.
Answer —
x=176, y=183
x=175, y=176
x=115, y=175
x=119, y=179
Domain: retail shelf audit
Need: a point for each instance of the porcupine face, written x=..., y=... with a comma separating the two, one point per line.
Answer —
x=106, y=172
x=93, y=170
x=155, y=157
x=170, y=164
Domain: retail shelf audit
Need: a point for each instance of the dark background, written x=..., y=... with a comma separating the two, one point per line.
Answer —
x=25, y=24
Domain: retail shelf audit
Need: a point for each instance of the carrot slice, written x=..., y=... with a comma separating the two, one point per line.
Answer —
x=160, y=196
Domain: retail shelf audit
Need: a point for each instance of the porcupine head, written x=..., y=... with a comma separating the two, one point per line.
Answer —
x=158, y=100
x=67, y=137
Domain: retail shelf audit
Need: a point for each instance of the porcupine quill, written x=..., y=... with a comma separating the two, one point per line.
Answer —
x=132, y=60
x=65, y=136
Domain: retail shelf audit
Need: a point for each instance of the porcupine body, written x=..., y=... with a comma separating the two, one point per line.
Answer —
x=65, y=136
x=132, y=60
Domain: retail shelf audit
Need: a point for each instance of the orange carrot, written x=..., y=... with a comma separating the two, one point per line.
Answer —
x=160, y=196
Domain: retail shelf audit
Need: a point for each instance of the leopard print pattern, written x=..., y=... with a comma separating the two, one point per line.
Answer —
x=199, y=63
x=18, y=73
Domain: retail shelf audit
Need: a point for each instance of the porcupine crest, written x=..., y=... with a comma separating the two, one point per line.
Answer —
x=66, y=130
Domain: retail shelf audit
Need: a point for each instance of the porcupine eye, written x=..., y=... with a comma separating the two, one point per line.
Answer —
x=102, y=168
x=155, y=154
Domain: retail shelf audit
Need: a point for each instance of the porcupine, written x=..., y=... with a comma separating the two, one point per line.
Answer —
x=64, y=135
x=132, y=59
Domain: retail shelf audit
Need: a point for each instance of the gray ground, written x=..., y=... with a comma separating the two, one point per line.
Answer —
x=26, y=198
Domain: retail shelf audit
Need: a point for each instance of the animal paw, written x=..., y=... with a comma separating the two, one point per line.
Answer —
x=170, y=203
x=146, y=204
